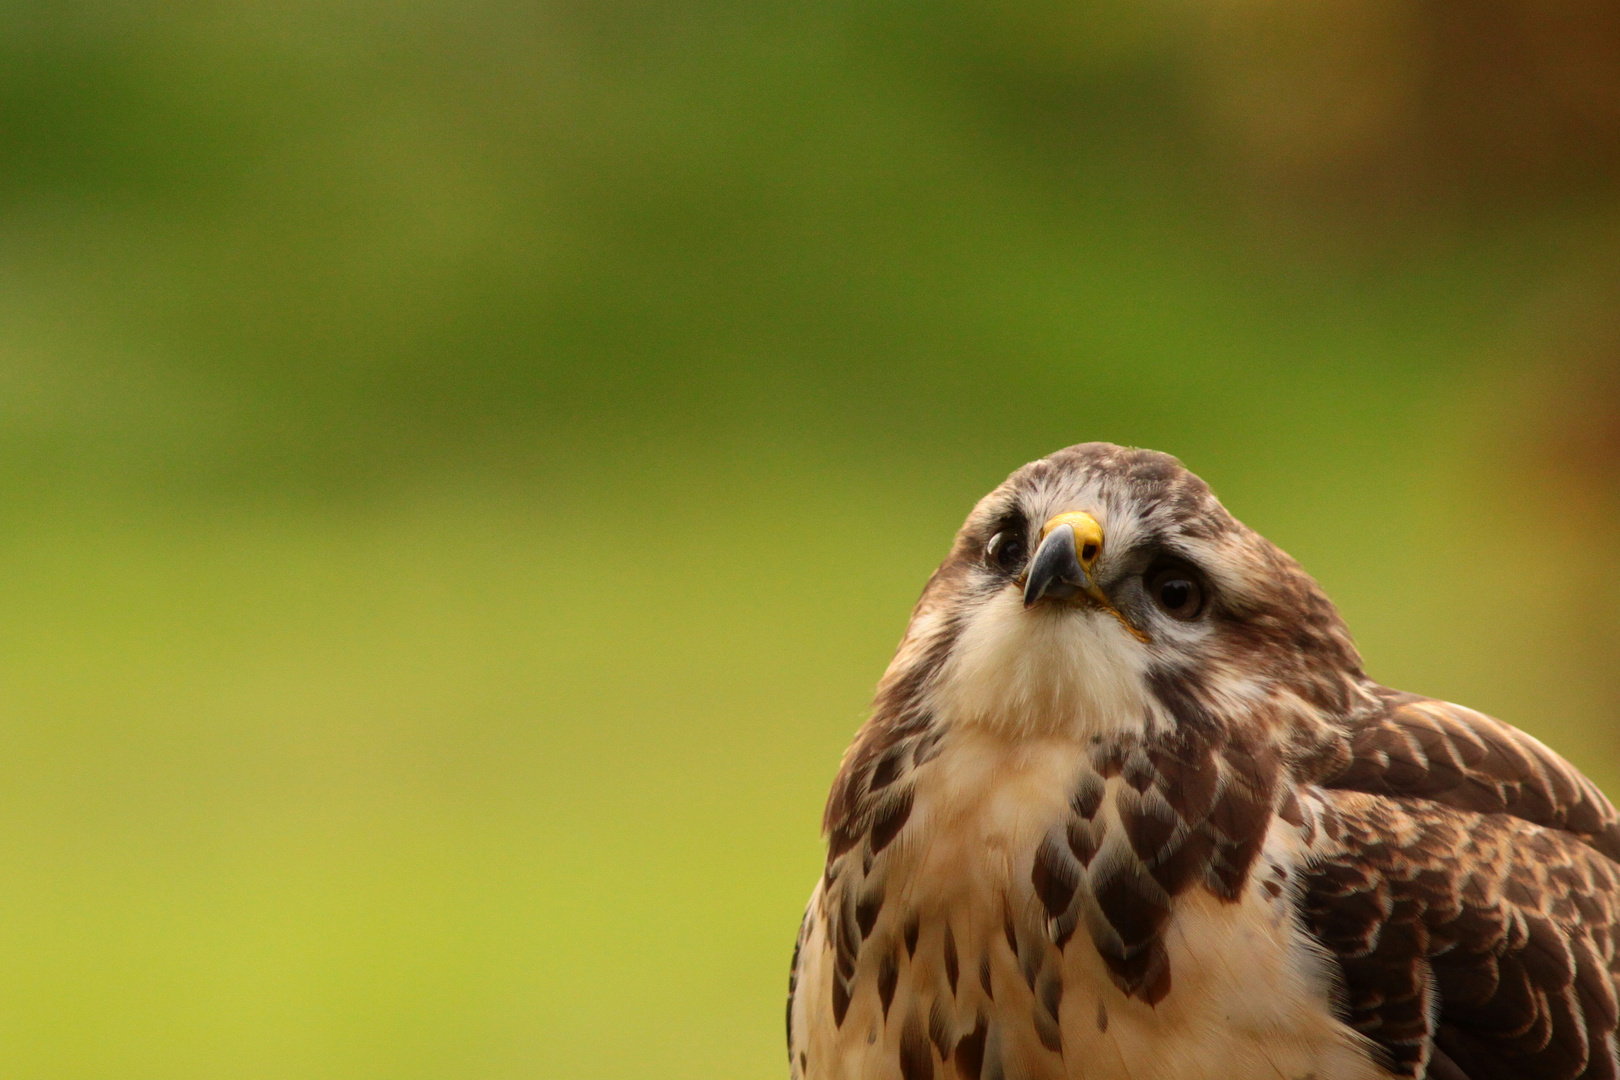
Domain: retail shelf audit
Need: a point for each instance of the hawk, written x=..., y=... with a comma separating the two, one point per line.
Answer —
x=1127, y=807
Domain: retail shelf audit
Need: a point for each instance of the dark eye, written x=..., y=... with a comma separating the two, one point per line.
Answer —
x=1177, y=592
x=1006, y=550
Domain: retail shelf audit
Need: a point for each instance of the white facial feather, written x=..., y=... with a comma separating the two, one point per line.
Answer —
x=1061, y=669
x=1053, y=669
x=1049, y=670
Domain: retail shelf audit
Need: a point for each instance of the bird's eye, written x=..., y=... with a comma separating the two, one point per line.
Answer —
x=1177, y=592
x=1006, y=551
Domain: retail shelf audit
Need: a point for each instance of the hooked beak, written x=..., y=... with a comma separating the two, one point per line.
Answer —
x=1065, y=563
x=1070, y=544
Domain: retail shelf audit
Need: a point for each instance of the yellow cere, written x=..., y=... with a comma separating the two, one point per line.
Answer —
x=1088, y=538
x=1087, y=533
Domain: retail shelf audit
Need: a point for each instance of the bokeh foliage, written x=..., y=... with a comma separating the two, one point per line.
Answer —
x=465, y=465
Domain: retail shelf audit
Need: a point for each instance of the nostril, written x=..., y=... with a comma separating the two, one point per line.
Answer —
x=1088, y=552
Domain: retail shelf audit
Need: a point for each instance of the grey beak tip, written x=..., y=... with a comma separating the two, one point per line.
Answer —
x=1055, y=570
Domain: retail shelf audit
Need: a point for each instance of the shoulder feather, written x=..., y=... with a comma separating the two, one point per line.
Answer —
x=1417, y=747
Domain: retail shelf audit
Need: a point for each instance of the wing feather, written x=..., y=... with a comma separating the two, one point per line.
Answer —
x=1486, y=936
x=1418, y=747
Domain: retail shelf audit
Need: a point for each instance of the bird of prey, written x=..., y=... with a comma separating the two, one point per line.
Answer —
x=1127, y=807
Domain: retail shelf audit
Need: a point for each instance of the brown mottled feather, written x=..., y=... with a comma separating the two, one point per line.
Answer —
x=1487, y=935
x=1422, y=748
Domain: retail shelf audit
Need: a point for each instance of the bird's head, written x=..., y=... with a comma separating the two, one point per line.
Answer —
x=1107, y=589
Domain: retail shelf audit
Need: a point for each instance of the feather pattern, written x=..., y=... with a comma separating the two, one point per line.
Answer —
x=1091, y=840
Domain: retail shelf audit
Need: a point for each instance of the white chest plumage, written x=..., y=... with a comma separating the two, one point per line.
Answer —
x=952, y=969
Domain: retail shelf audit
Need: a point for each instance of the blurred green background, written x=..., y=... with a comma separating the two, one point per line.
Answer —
x=464, y=465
